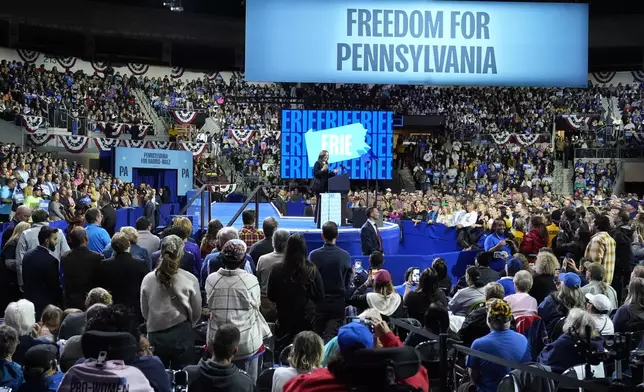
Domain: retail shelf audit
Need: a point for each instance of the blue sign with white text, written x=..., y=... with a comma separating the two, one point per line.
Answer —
x=417, y=42
x=359, y=142
x=126, y=159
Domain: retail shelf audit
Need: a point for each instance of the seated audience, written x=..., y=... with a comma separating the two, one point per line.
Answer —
x=409, y=282
x=566, y=351
x=218, y=373
x=465, y=299
x=558, y=304
x=40, y=369
x=521, y=303
x=596, y=284
x=11, y=372
x=475, y=324
x=501, y=342
x=305, y=356
x=74, y=324
x=486, y=274
x=444, y=280
x=171, y=306
x=234, y=297
x=436, y=321
x=512, y=266
x=630, y=316
x=428, y=292
x=383, y=297
x=599, y=306
x=50, y=321
x=72, y=350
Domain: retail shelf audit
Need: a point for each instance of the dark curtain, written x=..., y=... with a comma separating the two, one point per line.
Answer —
x=157, y=178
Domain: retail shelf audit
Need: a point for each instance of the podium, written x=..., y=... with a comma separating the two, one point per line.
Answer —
x=333, y=204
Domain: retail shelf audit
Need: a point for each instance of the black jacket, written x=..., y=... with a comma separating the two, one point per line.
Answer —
x=369, y=239
x=475, y=326
x=260, y=249
x=334, y=264
x=295, y=301
x=624, y=260
x=210, y=376
x=321, y=178
x=542, y=286
x=79, y=270
x=122, y=275
x=8, y=277
x=41, y=280
x=8, y=231
x=109, y=219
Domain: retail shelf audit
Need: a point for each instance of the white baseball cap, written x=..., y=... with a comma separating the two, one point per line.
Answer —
x=600, y=302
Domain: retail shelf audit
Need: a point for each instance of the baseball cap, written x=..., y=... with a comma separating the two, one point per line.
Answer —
x=354, y=336
x=514, y=265
x=40, y=357
x=600, y=302
x=382, y=277
x=570, y=280
x=234, y=250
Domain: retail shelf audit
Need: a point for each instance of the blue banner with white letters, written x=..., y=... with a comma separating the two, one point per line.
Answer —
x=359, y=142
x=126, y=159
x=417, y=42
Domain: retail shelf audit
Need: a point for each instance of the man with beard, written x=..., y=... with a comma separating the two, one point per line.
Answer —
x=40, y=274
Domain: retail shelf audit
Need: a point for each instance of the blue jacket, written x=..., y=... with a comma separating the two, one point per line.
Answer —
x=11, y=375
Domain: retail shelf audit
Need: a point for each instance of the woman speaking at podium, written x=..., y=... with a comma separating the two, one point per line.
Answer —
x=321, y=176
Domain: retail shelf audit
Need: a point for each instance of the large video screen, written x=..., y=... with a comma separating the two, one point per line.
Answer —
x=417, y=42
x=359, y=142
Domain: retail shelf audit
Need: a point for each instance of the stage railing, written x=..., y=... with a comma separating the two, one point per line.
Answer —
x=205, y=205
x=254, y=194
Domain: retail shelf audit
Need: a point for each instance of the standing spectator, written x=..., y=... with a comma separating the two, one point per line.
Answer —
x=501, y=342
x=189, y=246
x=6, y=200
x=8, y=269
x=596, y=284
x=147, y=240
x=624, y=261
x=78, y=268
x=209, y=241
x=219, y=374
x=601, y=248
x=370, y=237
x=122, y=275
x=97, y=237
x=10, y=372
x=306, y=355
x=264, y=269
x=171, y=306
x=29, y=239
x=109, y=214
x=234, y=297
x=40, y=273
x=521, y=303
x=137, y=252
x=23, y=214
x=334, y=265
x=544, y=278
x=536, y=238
x=295, y=285
x=56, y=212
x=265, y=246
x=249, y=234
x=598, y=305
x=150, y=209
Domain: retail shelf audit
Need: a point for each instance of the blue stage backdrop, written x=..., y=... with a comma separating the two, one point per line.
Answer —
x=417, y=42
x=359, y=142
x=127, y=160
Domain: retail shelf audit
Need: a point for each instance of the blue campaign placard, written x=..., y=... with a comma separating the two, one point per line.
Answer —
x=417, y=42
x=331, y=208
x=359, y=143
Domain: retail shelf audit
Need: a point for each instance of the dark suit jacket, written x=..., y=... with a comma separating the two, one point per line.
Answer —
x=321, y=178
x=41, y=281
x=280, y=204
x=260, y=249
x=8, y=232
x=79, y=268
x=369, y=239
x=109, y=219
x=150, y=212
x=121, y=275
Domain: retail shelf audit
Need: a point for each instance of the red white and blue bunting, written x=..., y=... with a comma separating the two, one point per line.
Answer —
x=106, y=144
x=214, y=76
x=133, y=143
x=225, y=189
x=519, y=138
x=112, y=129
x=39, y=139
x=32, y=123
x=604, y=77
x=161, y=145
x=177, y=72
x=241, y=135
x=66, y=62
x=100, y=66
x=638, y=75
x=74, y=144
x=526, y=140
x=28, y=56
x=195, y=148
x=138, y=69
x=576, y=122
x=185, y=116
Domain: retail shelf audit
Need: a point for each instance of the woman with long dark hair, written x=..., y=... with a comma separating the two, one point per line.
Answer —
x=321, y=175
x=536, y=238
x=295, y=285
x=209, y=241
x=428, y=292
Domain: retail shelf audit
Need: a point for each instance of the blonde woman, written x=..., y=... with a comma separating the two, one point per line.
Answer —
x=544, y=282
x=8, y=278
x=306, y=355
x=445, y=216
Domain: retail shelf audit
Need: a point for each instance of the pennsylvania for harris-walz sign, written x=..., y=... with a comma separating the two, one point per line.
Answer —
x=417, y=42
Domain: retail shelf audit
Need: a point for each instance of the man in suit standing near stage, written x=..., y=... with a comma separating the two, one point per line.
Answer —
x=109, y=214
x=280, y=202
x=369, y=234
x=334, y=264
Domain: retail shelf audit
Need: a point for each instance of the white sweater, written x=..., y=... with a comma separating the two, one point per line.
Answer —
x=160, y=311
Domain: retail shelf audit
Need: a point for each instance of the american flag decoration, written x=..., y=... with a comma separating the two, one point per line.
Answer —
x=39, y=139
x=104, y=144
x=140, y=129
x=576, y=121
x=28, y=56
x=638, y=76
x=112, y=129
x=197, y=149
x=138, y=69
x=184, y=116
x=241, y=135
x=160, y=145
x=526, y=140
x=177, y=72
x=133, y=143
x=604, y=77
x=100, y=66
x=66, y=62
x=74, y=144
x=32, y=123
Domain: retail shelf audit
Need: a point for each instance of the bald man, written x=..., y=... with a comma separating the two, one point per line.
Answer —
x=23, y=214
x=78, y=267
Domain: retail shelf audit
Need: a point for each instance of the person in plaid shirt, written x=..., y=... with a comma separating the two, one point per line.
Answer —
x=249, y=234
x=601, y=248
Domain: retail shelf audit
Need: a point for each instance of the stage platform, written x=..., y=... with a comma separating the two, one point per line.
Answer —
x=348, y=240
